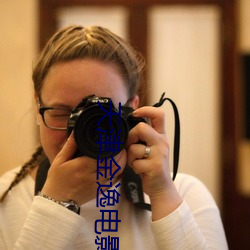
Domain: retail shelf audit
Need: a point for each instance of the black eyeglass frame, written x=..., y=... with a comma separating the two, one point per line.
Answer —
x=42, y=111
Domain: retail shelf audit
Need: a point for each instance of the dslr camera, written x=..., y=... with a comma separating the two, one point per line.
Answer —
x=99, y=128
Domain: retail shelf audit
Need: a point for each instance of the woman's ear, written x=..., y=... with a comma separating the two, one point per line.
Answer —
x=134, y=102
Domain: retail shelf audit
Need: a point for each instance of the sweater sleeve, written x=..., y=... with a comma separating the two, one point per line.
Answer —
x=195, y=224
x=49, y=226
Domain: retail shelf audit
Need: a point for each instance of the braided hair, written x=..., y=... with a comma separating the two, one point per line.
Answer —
x=35, y=160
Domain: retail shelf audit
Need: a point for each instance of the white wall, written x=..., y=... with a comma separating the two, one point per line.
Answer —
x=18, y=41
x=114, y=18
x=185, y=64
x=244, y=25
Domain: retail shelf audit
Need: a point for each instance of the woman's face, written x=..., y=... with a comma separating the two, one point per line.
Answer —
x=66, y=84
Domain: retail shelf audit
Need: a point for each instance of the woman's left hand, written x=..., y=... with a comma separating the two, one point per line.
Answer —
x=153, y=167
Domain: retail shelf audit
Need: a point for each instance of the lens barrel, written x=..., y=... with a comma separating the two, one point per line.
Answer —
x=100, y=133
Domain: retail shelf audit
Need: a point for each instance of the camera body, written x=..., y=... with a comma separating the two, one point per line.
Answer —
x=99, y=128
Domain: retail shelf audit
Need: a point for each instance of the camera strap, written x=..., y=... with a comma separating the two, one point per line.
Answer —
x=41, y=175
x=132, y=182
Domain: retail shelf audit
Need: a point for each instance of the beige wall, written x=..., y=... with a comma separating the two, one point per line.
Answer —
x=244, y=23
x=18, y=27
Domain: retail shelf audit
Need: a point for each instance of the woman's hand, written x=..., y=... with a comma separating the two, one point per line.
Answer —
x=153, y=169
x=75, y=179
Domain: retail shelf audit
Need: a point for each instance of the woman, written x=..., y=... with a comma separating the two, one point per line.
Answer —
x=78, y=62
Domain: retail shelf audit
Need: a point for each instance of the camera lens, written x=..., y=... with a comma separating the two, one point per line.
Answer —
x=104, y=139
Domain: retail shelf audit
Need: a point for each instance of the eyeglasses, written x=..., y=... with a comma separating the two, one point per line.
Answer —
x=55, y=118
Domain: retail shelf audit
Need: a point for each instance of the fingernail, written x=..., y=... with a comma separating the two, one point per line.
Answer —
x=135, y=112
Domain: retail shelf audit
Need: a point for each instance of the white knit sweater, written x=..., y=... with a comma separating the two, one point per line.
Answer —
x=28, y=222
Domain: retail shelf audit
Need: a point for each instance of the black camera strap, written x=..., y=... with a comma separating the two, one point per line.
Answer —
x=41, y=175
x=132, y=182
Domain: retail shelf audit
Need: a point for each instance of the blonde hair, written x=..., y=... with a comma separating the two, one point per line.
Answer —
x=76, y=42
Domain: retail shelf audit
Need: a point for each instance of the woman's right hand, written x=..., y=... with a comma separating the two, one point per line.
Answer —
x=75, y=179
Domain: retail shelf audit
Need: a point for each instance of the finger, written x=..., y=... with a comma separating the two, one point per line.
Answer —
x=156, y=115
x=143, y=167
x=142, y=133
x=135, y=152
x=112, y=167
x=67, y=151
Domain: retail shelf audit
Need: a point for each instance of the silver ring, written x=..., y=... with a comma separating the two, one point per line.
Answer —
x=146, y=152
